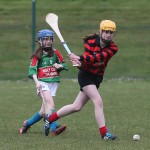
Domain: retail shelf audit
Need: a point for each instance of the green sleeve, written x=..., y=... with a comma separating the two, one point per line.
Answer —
x=32, y=70
x=64, y=66
x=33, y=67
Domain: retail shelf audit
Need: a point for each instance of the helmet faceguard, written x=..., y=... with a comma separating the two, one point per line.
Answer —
x=107, y=26
x=42, y=34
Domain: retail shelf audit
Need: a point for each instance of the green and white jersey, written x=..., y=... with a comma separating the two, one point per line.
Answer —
x=44, y=68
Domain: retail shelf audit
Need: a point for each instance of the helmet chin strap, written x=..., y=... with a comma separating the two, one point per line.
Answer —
x=47, y=48
x=105, y=41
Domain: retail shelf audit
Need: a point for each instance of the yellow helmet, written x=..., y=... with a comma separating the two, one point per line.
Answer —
x=107, y=25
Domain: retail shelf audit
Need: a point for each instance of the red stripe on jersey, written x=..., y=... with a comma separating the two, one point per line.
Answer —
x=91, y=40
x=60, y=57
x=34, y=61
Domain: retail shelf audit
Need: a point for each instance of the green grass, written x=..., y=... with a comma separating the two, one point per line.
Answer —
x=126, y=85
x=126, y=107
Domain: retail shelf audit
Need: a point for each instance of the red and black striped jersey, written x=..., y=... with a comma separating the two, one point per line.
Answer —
x=95, y=58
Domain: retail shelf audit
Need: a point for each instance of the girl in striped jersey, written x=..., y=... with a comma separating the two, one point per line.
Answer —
x=99, y=49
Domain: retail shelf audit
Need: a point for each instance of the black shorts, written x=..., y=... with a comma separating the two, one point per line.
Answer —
x=86, y=78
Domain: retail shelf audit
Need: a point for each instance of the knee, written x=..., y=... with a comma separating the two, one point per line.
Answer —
x=49, y=102
x=99, y=103
x=76, y=108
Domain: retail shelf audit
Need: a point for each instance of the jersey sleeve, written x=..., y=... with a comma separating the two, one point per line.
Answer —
x=33, y=67
x=61, y=60
x=103, y=56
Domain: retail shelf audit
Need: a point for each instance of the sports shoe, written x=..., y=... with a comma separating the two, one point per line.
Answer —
x=109, y=136
x=24, y=128
x=46, y=125
x=59, y=129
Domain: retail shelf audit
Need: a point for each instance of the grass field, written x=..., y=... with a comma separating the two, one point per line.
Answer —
x=126, y=85
x=126, y=107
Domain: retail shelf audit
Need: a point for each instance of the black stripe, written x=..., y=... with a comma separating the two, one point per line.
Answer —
x=106, y=51
x=113, y=50
x=88, y=58
x=95, y=58
x=101, y=56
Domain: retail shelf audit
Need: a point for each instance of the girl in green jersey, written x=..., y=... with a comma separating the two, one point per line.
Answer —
x=46, y=64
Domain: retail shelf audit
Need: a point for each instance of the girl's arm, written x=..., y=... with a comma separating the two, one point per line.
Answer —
x=37, y=83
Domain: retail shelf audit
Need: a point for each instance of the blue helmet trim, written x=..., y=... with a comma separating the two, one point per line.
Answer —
x=45, y=33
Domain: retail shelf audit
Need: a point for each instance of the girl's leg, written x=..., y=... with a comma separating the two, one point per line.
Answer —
x=35, y=118
x=48, y=100
x=79, y=102
x=31, y=121
x=94, y=95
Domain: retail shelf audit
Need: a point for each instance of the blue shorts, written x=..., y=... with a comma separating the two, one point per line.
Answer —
x=86, y=78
